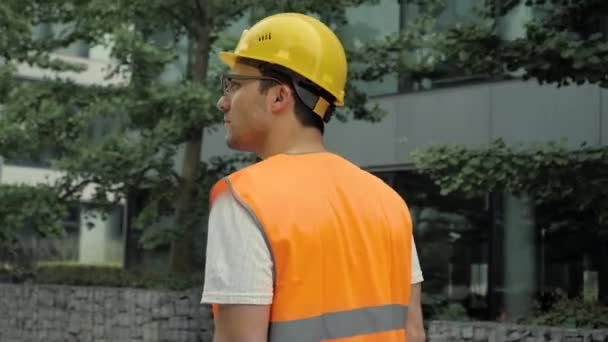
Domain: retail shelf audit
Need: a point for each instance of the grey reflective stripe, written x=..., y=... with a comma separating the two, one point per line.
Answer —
x=257, y=223
x=340, y=324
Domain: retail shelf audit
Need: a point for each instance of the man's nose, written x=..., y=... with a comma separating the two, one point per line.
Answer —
x=223, y=104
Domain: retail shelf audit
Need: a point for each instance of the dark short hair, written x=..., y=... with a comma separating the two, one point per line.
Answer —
x=303, y=113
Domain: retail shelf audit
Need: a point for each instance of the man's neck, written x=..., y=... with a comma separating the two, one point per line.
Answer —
x=301, y=141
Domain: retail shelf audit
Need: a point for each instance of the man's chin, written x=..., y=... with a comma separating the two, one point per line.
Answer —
x=235, y=145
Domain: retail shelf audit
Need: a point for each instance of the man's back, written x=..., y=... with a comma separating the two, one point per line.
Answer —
x=340, y=238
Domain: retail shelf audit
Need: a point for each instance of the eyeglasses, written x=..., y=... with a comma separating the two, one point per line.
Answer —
x=229, y=82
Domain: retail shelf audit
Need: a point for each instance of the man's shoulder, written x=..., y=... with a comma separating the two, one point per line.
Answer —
x=379, y=185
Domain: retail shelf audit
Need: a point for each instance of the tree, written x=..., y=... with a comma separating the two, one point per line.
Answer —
x=145, y=121
x=565, y=43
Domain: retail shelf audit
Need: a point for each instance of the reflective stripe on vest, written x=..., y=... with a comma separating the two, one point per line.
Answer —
x=340, y=324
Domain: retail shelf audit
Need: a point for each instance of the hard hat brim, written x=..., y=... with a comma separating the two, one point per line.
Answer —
x=228, y=58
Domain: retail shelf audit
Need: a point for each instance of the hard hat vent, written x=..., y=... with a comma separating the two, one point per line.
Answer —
x=264, y=37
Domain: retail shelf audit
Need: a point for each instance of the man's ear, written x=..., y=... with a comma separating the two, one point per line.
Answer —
x=281, y=98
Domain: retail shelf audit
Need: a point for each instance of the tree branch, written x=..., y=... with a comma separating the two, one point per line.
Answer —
x=201, y=12
x=178, y=178
x=180, y=19
x=74, y=188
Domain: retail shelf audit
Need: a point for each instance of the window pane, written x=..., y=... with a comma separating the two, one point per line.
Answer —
x=451, y=236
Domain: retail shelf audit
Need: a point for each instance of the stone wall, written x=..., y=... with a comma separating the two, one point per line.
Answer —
x=35, y=313
x=444, y=331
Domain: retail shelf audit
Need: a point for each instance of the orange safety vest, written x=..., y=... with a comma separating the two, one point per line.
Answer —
x=340, y=240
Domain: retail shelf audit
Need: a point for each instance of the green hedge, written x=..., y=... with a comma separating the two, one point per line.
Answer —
x=556, y=309
x=102, y=276
x=571, y=313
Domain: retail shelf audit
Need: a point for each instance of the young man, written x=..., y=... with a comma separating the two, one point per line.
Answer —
x=303, y=245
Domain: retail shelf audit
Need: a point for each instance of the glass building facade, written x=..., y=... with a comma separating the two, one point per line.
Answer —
x=497, y=255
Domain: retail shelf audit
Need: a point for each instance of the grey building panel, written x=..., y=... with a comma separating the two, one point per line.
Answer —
x=214, y=143
x=456, y=116
x=525, y=112
x=604, y=117
x=519, y=112
x=361, y=142
x=364, y=143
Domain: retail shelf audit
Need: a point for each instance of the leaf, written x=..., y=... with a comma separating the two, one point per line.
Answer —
x=596, y=36
x=594, y=60
x=463, y=56
x=567, y=53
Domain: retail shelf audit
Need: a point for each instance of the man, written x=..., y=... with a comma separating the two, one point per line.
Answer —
x=303, y=245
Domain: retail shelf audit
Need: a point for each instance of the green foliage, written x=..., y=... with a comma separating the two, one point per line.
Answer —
x=103, y=276
x=154, y=219
x=416, y=52
x=122, y=137
x=546, y=173
x=437, y=307
x=564, y=42
x=24, y=206
x=571, y=313
x=27, y=252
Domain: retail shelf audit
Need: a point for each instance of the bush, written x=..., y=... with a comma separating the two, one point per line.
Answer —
x=439, y=307
x=570, y=312
x=74, y=274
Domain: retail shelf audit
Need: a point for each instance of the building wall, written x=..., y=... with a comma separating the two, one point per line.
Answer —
x=517, y=111
x=603, y=127
x=527, y=112
x=100, y=238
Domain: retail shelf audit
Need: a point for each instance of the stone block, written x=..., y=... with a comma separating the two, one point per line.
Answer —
x=183, y=307
x=140, y=319
x=136, y=332
x=514, y=336
x=467, y=332
x=99, y=331
x=85, y=336
x=151, y=331
x=190, y=336
x=454, y=333
x=480, y=334
x=122, y=320
x=599, y=336
x=43, y=334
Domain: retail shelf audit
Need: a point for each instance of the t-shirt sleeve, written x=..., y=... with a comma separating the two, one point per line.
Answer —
x=416, y=270
x=238, y=267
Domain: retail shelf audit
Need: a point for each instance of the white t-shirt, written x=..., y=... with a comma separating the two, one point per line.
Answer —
x=238, y=264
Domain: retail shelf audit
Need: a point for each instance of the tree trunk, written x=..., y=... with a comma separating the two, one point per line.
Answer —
x=181, y=260
x=602, y=269
x=181, y=257
x=133, y=253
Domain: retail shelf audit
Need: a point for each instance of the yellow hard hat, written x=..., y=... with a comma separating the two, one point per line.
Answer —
x=299, y=43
